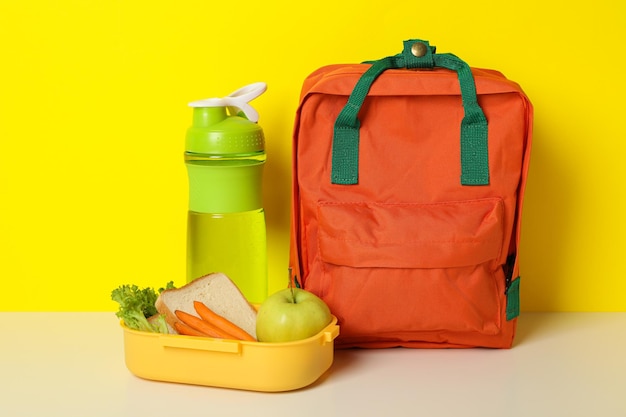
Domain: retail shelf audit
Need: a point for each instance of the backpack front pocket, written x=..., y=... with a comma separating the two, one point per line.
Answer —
x=410, y=267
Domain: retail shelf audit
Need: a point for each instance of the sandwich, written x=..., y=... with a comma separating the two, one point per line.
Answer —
x=217, y=292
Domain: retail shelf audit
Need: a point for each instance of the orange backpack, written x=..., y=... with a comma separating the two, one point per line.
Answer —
x=408, y=178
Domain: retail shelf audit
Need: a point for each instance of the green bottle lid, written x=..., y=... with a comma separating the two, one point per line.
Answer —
x=228, y=125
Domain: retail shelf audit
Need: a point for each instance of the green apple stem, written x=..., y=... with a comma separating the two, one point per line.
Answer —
x=293, y=296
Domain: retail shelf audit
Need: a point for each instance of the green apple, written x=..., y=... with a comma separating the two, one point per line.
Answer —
x=291, y=314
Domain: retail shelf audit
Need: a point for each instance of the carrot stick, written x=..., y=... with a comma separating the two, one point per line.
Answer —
x=220, y=322
x=186, y=330
x=201, y=325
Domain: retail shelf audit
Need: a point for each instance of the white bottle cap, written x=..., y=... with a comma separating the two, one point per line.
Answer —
x=238, y=99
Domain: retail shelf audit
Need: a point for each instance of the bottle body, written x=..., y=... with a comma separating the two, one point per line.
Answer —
x=232, y=243
x=226, y=229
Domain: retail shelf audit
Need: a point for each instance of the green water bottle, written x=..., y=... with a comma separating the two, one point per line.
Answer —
x=225, y=155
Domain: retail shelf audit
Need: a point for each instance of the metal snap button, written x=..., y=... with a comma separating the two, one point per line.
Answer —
x=418, y=49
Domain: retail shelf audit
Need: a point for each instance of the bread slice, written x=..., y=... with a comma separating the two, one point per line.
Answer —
x=215, y=290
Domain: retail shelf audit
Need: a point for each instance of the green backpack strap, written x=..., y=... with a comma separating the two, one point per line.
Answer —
x=416, y=54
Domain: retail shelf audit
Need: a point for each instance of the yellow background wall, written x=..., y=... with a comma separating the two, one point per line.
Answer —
x=93, y=113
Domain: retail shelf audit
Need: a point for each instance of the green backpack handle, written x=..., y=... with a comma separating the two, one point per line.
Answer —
x=416, y=54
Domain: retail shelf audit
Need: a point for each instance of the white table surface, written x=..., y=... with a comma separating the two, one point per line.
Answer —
x=562, y=364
